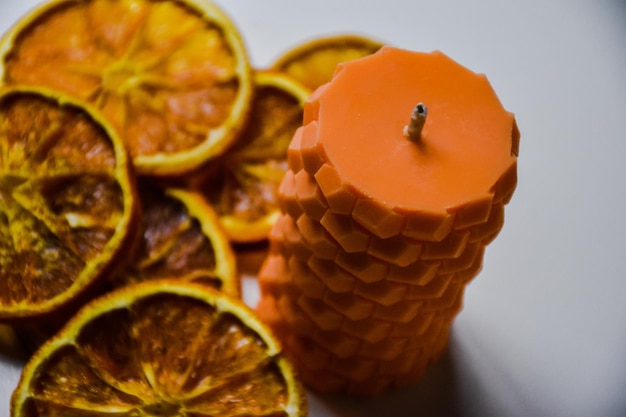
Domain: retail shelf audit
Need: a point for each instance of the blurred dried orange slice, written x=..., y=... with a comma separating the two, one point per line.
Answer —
x=313, y=63
x=180, y=237
x=172, y=76
x=242, y=184
x=160, y=348
x=67, y=201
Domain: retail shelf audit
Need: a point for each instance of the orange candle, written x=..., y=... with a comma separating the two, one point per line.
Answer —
x=467, y=144
x=397, y=181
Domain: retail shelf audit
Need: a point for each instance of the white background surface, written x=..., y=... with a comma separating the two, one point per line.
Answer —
x=543, y=331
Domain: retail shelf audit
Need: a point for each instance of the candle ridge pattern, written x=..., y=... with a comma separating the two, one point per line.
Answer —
x=364, y=277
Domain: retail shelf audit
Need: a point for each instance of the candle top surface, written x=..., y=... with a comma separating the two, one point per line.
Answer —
x=467, y=143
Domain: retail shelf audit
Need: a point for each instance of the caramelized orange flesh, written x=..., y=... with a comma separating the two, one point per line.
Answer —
x=181, y=237
x=159, y=349
x=167, y=74
x=313, y=62
x=244, y=187
x=65, y=204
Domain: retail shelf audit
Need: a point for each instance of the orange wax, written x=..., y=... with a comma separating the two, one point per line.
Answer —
x=380, y=229
x=469, y=140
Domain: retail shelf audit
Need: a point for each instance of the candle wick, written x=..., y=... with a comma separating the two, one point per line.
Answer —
x=418, y=117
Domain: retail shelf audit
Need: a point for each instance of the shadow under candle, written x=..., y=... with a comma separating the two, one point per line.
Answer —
x=438, y=393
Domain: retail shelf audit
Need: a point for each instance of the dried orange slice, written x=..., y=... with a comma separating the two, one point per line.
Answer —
x=67, y=201
x=172, y=76
x=160, y=348
x=313, y=62
x=181, y=237
x=243, y=182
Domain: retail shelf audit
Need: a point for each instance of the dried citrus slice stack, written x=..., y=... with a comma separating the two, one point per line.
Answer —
x=180, y=237
x=242, y=184
x=160, y=348
x=67, y=201
x=172, y=76
x=313, y=63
